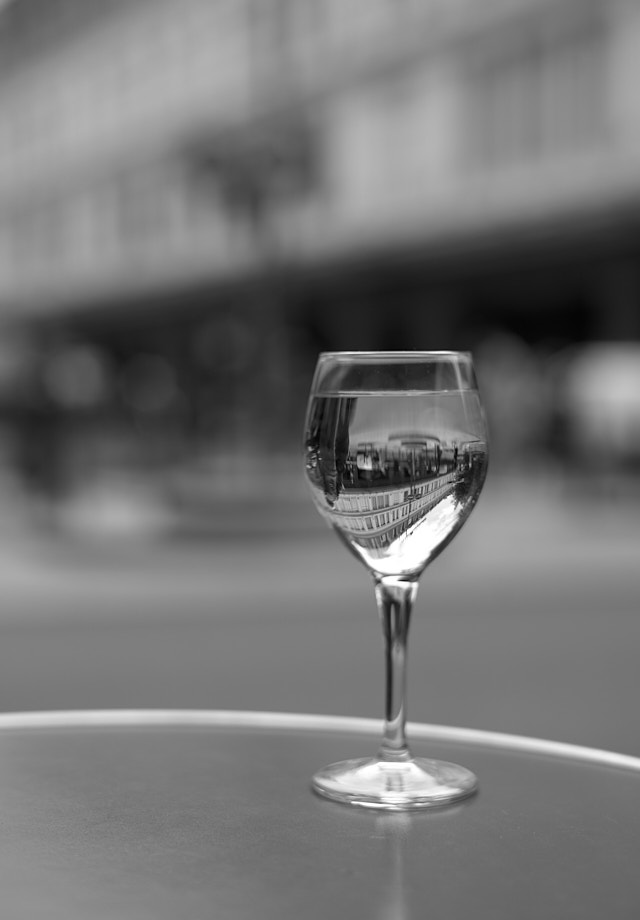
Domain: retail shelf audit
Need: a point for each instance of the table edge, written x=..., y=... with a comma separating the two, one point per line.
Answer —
x=286, y=721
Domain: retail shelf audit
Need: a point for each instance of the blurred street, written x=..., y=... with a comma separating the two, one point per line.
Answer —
x=528, y=623
x=196, y=199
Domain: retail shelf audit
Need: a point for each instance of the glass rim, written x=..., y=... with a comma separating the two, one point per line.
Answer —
x=418, y=354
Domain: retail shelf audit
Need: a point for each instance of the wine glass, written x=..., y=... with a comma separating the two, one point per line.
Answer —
x=395, y=456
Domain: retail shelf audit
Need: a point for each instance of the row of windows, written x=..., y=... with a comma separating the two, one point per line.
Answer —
x=532, y=93
x=383, y=538
x=145, y=68
x=153, y=60
x=524, y=97
x=155, y=215
x=364, y=502
x=414, y=508
x=539, y=92
x=170, y=213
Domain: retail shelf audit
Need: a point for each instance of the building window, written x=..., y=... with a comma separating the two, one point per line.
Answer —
x=538, y=93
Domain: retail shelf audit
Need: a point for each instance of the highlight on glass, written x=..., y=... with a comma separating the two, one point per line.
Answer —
x=396, y=453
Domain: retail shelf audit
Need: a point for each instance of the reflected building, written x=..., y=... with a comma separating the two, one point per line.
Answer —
x=403, y=516
x=395, y=499
x=377, y=519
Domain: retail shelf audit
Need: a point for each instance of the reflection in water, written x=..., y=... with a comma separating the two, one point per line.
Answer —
x=394, y=830
x=399, y=494
x=380, y=490
x=396, y=474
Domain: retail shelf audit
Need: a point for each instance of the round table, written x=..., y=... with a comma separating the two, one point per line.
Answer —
x=188, y=815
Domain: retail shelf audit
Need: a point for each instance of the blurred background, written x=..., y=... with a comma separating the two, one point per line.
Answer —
x=196, y=198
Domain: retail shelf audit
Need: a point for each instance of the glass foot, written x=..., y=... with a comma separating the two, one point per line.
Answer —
x=395, y=785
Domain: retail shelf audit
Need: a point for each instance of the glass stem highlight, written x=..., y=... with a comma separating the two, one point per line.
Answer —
x=395, y=599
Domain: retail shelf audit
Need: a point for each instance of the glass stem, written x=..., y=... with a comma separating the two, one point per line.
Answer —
x=395, y=599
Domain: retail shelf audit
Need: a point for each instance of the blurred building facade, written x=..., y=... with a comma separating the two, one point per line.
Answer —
x=197, y=196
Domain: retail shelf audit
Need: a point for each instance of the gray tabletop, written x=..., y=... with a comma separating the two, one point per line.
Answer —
x=209, y=814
